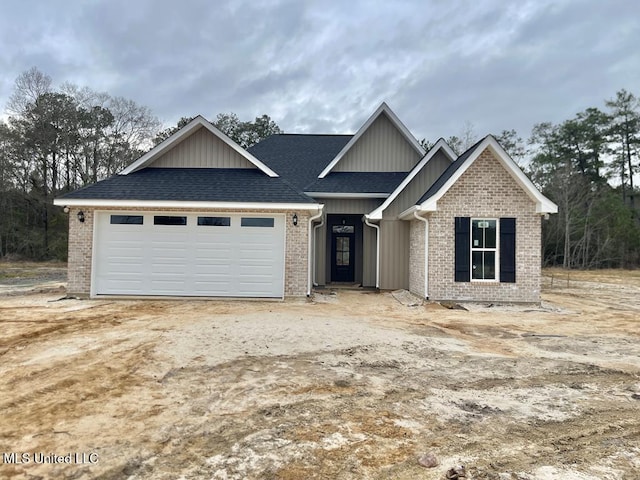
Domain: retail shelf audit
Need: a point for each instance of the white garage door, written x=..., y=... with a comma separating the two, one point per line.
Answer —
x=189, y=254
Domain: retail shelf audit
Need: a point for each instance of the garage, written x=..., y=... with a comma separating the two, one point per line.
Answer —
x=188, y=254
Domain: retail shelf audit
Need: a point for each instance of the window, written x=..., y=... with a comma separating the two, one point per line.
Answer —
x=484, y=249
x=343, y=229
x=256, y=222
x=165, y=220
x=214, y=221
x=342, y=251
x=126, y=219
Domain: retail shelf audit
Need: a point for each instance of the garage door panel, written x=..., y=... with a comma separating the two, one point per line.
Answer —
x=191, y=259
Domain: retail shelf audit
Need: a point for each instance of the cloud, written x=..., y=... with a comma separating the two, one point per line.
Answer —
x=325, y=66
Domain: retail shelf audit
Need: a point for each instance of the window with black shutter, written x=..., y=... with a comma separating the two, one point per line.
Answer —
x=462, y=249
x=485, y=249
x=508, y=250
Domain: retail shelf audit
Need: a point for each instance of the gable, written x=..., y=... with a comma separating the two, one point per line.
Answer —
x=202, y=149
x=381, y=148
x=487, y=189
x=418, y=185
x=489, y=146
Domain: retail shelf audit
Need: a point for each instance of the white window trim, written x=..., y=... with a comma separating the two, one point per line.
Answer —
x=497, y=250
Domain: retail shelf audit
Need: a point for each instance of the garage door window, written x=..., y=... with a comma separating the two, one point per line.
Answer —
x=256, y=222
x=126, y=219
x=163, y=220
x=214, y=221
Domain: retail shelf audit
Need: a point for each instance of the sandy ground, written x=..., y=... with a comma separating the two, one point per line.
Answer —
x=352, y=385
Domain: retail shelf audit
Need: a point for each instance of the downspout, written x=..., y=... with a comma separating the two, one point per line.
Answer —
x=313, y=268
x=377, y=227
x=309, y=251
x=426, y=252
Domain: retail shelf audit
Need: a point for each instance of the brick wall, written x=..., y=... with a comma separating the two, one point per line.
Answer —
x=485, y=190
x=416, y=257
x=79, y=256
x=81, y=244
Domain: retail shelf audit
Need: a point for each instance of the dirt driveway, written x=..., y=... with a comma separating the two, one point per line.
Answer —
x=354, y=385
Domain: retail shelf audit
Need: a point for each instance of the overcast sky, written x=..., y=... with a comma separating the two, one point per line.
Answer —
x=324, y=66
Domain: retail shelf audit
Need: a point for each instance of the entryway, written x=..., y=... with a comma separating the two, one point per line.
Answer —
x=345, y=241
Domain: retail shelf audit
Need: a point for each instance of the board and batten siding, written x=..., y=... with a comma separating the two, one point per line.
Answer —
x=381, y=148
x=202, y=149
x=395, y=233
x=394, y=254
x=336, y=206
x=417, y=186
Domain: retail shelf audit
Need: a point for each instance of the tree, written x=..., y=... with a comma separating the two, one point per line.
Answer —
x=512, y=144
x=246, y=134
x=162, y=135
x=54, y=141
x=624, y=128
x=28, y=87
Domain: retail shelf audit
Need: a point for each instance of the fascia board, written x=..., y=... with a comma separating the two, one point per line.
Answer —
x=383, y=108
x=173, y=140
x=80, y=202
x=408, y=212
x=543, y=204
x=439, y=145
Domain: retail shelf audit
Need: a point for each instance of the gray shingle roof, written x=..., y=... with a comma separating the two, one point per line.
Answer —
x=357, y=182
x=448, y=173
x=299, y=158
x=194, y=184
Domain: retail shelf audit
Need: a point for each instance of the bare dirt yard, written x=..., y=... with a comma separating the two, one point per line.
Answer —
x=356, y=385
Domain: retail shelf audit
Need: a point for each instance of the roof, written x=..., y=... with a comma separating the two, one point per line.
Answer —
x=192, y=184
x=440, y=145
x=383, y=109
x=429, y=201
x=297, y=157
x=357, y=182
x=184, y=132
x=448, y=173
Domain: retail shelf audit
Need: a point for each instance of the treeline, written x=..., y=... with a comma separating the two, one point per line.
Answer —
x=588, y=166
x=59, y=139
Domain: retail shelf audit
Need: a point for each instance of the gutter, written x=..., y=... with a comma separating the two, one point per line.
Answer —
x=377, y=227
x=426, y=252
x=309, y=251
x=313, y=268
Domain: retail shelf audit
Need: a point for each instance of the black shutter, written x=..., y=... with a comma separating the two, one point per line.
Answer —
x=463, y=249
x=508, y=250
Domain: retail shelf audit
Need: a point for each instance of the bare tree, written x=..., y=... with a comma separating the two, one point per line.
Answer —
x=28, y=87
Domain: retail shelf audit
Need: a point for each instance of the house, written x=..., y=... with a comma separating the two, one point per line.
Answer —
x=200, y=216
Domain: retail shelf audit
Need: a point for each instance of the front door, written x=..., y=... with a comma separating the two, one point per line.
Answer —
x=343, y=253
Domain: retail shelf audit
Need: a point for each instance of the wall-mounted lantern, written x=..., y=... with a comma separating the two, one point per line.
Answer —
x=295, y=219
x=81, y=216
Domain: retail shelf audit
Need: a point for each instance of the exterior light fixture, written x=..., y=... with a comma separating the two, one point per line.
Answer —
x=295, y=219
x=81, y=216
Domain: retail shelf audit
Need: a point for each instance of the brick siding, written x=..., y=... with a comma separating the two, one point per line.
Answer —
x=416, y=257
x=81, y=247
x=485, y=190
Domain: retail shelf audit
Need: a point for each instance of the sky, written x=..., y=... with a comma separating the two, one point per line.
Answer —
x=325, y=66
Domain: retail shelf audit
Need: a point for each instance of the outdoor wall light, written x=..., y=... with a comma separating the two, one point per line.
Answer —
x=81, y=216
x=295, y=219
